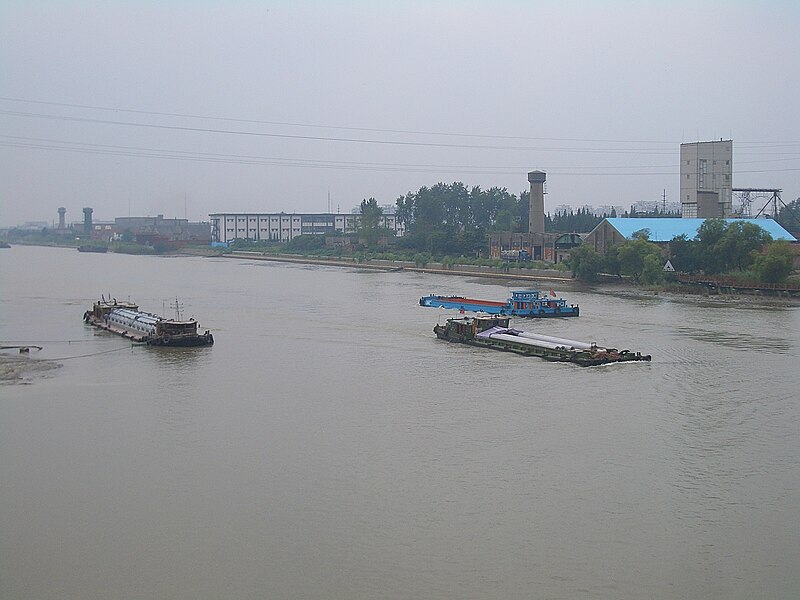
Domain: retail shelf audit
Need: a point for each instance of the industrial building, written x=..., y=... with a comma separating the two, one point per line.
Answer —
x=613, y=232
x=706, y=180
x=536, y=244
x=152, y=229
x=283, y=227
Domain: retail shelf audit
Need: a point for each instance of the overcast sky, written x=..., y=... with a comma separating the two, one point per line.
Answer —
x=192, y=107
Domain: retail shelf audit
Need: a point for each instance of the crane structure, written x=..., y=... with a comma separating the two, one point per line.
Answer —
x=748, y=196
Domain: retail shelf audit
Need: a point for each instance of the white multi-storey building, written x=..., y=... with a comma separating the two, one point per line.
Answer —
x=283, y=227
x=707, y=179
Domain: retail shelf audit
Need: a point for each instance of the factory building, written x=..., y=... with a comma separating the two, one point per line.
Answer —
x=707, y=180
x=152, y=229
x=283, y=227
x=613, y=232
x=535, y=244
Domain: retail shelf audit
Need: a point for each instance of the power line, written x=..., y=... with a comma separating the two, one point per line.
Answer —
x=138, y=152
x=372, y=129
x=339, y=127
x=327, y=139
x=299, y=160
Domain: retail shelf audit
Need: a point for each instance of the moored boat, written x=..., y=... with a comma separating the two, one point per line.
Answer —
x=92, y=248
x=125, y=319
x=494, y=332
x=523, y=303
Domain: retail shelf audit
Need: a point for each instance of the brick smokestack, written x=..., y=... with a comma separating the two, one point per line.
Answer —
x=536, y=216
x=87, y=221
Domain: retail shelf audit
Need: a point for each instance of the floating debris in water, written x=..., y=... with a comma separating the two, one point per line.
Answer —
x=15, y=369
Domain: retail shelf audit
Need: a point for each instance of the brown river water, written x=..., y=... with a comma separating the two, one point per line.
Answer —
x=329, y=446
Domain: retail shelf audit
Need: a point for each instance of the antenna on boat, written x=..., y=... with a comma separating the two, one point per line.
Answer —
x=178, y=307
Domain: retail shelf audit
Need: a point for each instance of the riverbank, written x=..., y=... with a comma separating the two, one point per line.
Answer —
x=386, y=265
x=611, y=285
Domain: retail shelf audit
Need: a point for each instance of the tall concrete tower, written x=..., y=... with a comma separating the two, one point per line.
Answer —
x=87, y=220
x=707, y=179
x=536, y=216
x=61, y=212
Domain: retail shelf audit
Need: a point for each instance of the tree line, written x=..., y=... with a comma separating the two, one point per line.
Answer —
x=453, y=219
x=739, y=249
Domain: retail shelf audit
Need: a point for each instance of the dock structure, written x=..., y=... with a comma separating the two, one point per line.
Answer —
x=729, y=285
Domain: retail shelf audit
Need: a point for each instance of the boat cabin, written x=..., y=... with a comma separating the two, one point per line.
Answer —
x=471, y=326
x=176, y=328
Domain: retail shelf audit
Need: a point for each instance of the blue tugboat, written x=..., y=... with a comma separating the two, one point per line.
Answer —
x=523, y=303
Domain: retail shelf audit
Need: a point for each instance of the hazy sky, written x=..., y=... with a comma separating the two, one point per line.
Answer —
x=191, y=107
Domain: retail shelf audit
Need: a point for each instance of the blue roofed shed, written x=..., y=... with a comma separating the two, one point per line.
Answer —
x=619, y=230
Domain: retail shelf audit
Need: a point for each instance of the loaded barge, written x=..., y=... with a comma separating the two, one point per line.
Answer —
x=494, y=332
x=523, y=303
x=125, y=319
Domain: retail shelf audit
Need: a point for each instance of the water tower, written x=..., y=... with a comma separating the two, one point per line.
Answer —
x=61, y=212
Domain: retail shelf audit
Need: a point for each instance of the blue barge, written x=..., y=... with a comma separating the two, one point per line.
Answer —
x=523, y=303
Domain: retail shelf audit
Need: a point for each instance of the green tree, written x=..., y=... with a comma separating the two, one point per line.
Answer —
x=709, y=235
x=652, y=269
x=683, y=254
x=369, y=224
x=371, y=214
x=584, y=262
x=789, y=216
x=740, y=243
x=776, y=265
x=611, y=260
x=306, y=243
x=632, y=255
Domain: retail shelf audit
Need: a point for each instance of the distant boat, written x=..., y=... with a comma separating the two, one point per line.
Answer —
x=90, y=248
x=5, y=245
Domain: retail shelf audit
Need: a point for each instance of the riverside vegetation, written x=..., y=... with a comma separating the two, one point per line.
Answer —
x=450, y=224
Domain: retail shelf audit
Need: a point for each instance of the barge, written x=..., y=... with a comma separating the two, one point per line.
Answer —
x=126, y=320
x=523, y=303
x=494, y=332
